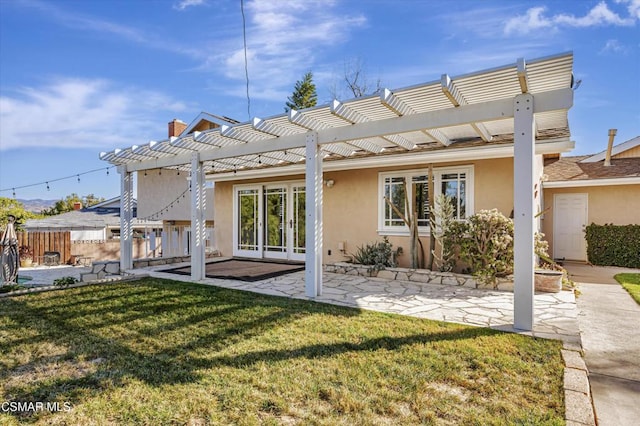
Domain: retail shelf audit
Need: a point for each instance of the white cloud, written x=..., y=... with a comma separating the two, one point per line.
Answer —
x=600, y=15
x=633, y=7
x=613, y=46
x=283, y=39
x=80, y=113
x=183, y=4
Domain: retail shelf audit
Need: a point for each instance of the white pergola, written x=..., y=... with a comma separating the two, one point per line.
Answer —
x=520, y=107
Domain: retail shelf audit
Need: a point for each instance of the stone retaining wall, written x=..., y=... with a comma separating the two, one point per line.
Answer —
x=417, y=275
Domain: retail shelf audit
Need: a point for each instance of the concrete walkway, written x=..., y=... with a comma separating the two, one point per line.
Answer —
x=609, y=321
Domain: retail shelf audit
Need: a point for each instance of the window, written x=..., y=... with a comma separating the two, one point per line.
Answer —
x=455, y=182
x=454, y=185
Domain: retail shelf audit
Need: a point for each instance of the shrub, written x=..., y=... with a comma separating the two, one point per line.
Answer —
x=64, y=281
x=613, y=245
x=379, y=255
x=8, y=288
x=485, y=243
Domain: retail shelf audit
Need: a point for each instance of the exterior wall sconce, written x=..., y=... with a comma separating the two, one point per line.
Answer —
x=329, y=183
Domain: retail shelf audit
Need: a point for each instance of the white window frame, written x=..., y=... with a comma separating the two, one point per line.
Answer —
x=437, y=182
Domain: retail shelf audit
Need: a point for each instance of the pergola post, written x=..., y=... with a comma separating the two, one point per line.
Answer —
x=126, y=218
x=524, y=220
x=198, y=224
x=313, y=219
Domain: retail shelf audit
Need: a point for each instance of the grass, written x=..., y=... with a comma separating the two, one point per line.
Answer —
x=164, y=352
x=631, y=282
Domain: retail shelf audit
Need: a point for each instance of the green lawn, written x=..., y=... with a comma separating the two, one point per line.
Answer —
x=164, y=352
x=631, y=282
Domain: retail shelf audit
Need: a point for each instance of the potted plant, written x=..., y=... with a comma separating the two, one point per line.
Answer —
x=549, y=275
x=26, y=256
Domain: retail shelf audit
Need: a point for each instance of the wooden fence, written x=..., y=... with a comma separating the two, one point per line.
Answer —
x=41, y=242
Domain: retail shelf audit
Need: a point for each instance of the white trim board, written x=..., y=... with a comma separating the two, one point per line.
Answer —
x=591, y=182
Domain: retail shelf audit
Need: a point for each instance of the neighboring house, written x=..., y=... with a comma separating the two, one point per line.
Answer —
x=581, y=190
x=98, y=222
x=310, y=184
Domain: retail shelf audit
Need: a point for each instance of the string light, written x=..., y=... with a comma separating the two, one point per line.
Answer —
x=165, y=209
x=49, y=181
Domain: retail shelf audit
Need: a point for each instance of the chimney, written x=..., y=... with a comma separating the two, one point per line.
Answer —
x=176, y=127
x=77, y=205
x=607, y=158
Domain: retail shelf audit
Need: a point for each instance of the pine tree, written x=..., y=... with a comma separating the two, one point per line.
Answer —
x=304, y=94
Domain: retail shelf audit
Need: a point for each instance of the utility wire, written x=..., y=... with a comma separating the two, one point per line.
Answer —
x=246, y=62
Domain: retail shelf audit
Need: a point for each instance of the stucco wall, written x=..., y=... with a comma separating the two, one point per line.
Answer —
x=351, y=206
x=107, y=250
x=156, y=191
x=619, y=205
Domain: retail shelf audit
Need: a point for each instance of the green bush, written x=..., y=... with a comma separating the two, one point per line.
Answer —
x=379, y=255
x=64, y=281
x=8, y=288
x=485, y=243
x=613, y=245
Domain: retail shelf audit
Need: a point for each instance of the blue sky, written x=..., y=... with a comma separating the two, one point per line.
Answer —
x=82, y=76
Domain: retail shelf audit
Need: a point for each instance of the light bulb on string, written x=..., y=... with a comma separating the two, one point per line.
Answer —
x=107, y=171
x=14, y=192
x=78, y=178
x=48, y=189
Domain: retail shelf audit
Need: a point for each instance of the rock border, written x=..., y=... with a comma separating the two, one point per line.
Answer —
x=424, y=276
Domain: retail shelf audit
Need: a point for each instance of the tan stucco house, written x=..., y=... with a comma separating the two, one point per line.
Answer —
x=587, y=189
x=309, y=185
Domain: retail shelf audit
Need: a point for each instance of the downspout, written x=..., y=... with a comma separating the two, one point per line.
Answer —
x=607, y=159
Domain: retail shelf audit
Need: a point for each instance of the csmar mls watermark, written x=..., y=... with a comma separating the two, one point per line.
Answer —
x=34, y=406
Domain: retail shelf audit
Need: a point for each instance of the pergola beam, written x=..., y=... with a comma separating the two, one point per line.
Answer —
x=394, y=103
x=438, y=136
x=347, y=113
x=451, y=91
x=305, y=121
x=400, y=141
x=561, y=99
